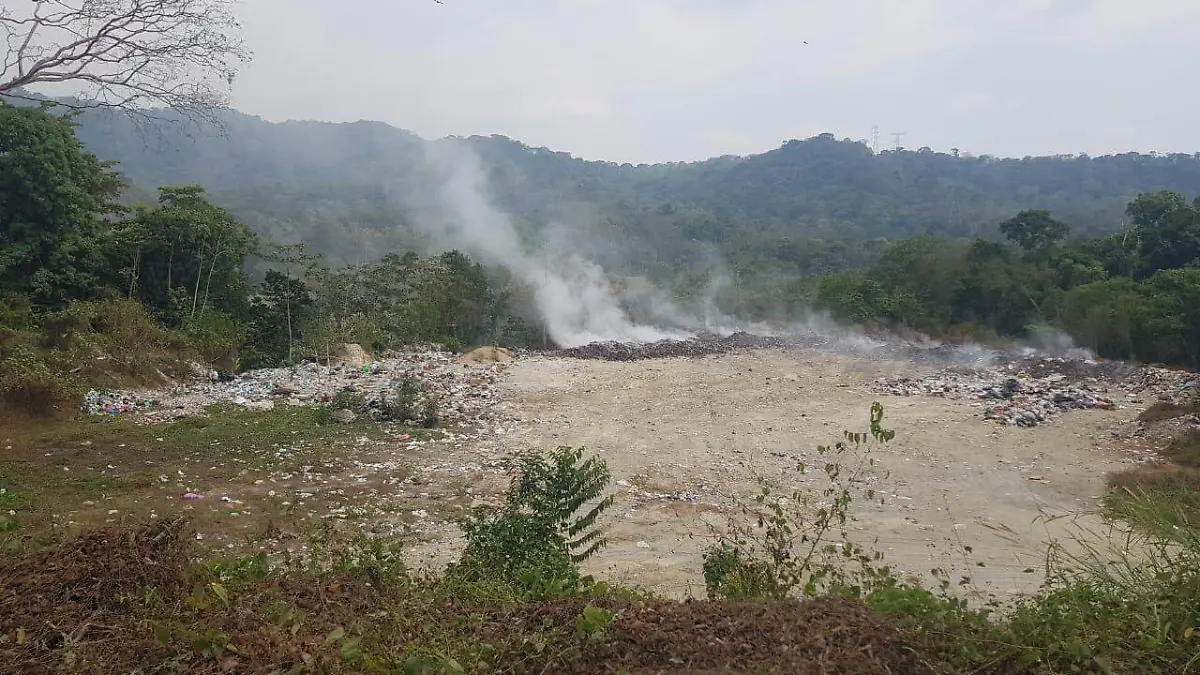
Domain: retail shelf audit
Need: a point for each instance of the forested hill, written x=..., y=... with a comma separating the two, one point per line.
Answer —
x=341, y=187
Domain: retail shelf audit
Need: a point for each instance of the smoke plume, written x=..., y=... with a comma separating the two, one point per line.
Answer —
x=578, y=304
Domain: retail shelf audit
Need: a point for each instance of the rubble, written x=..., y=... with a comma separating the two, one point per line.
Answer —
x=465, y=392
x=703, y=345
x=1032, y=389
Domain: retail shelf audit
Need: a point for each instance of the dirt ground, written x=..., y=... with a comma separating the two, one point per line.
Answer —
x=684, y=437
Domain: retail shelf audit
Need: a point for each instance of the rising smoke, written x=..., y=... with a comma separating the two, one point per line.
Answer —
x=578, y=304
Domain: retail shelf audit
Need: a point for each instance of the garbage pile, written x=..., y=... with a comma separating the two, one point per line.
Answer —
x=114, y=403
x=1031, y=390
x=702, y=345
x=465, y=393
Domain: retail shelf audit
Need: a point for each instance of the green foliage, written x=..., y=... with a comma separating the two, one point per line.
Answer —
x=546, y=527
x=54, y=199
x=1034, y=231
x=30, y=383
x=183, y=258
x=1128, y=296
x=216, y=337
x=47, y=361
x=1107, y=611
x=410, y=402
x=558, y=489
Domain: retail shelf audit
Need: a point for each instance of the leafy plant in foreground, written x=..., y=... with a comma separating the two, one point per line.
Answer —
x=547, y=525
x=785, y=542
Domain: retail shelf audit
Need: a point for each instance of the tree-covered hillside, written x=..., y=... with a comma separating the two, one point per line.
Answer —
x=347, y=189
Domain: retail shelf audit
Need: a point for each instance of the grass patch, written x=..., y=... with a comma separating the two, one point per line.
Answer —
x=1163, y=499
x=256, y=471
x=219, y=426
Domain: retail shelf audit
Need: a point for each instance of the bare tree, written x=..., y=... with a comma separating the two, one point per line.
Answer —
x=132, y=55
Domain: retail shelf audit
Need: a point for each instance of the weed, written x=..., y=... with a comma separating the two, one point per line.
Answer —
x=545, y=527
x=410, y=402
x=1161, y=498
x=785, y=543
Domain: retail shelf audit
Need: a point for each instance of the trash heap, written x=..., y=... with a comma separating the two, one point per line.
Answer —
x=465, y=392
x=1031, y=390
x=114, y=403
x=702, y=345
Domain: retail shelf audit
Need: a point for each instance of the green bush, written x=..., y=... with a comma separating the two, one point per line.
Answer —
x=410, y=402
x=29, y=383
x=546, y=527
x=217, y=338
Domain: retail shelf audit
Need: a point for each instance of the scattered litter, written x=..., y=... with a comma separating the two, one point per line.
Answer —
x=464, y=392
x=190, y=496
x=1029, y=391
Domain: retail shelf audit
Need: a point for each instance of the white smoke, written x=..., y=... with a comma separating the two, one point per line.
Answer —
x=577, y=303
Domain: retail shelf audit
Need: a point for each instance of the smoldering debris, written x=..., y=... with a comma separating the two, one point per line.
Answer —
x=702, y=345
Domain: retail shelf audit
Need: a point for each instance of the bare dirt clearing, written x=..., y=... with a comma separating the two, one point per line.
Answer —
x=684, y=436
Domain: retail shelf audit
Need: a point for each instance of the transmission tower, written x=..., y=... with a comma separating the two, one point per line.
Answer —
x=896, y=136
x=875, y=138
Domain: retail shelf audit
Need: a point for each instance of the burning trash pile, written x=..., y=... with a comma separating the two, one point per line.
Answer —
x=419, y=387
x=1030, y=391
x=703, y=345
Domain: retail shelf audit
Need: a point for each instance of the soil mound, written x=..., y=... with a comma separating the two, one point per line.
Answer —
x=486, y=355
x=350, y=355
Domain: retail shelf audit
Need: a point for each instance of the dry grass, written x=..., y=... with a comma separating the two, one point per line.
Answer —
x=1156, y=477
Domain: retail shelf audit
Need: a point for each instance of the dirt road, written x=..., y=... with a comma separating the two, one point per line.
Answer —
x=683, y=437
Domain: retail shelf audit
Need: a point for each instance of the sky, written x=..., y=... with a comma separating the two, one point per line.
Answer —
x=681, y=80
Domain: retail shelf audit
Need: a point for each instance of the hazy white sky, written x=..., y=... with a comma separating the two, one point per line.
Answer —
x=663, y=80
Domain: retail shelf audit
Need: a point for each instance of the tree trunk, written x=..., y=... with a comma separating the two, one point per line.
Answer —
x=208, y=285
x=133, y=275
x=196, y=293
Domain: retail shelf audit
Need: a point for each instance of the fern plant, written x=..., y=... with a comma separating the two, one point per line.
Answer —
x=556, y=489
x=547, y=525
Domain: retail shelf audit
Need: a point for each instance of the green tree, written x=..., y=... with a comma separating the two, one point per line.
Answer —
x=1034, y=231
x=184, y=256
x=1168, y=231
x=54, y=200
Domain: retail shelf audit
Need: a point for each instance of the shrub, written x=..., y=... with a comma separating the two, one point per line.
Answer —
x=31, y=384
x=545, y=527
x=410, y=402
x=217, y=338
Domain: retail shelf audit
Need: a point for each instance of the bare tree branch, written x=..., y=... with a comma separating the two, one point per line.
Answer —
x=131, y=55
